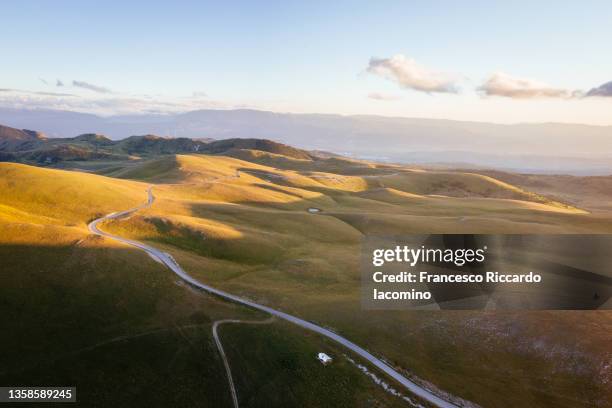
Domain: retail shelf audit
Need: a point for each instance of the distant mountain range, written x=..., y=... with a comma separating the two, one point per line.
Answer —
x=549, y=147
x=34, y=147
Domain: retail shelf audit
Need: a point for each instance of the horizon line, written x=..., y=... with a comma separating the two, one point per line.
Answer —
x=343, y=115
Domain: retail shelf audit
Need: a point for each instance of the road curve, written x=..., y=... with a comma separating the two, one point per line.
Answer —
x=169, y=261
x=228, y=371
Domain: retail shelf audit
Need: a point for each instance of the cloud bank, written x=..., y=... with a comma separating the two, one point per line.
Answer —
x=602, y=90
x=91, y=87
x=106, y=104
x=410, y=75
x=502, y=84
x=43, y=93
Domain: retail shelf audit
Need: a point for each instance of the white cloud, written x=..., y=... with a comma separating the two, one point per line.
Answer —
x=502, y=84
x=382, y=97
x=410, y=75
x=91, y=87
x=107, y=104
x=43, y=93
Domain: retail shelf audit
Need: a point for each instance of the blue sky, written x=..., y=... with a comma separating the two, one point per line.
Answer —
x=519, y=62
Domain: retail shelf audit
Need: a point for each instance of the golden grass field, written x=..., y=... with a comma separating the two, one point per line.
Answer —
x=242, y=224
x=80, y=309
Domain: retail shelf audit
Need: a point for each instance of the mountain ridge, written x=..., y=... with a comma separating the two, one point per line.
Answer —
x=516, y=147
x=30, y=146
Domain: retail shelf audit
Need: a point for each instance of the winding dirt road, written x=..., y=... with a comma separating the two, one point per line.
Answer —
x=228, y=371
x=169, y=261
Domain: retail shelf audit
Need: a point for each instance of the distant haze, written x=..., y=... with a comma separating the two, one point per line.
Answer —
x=552, y=148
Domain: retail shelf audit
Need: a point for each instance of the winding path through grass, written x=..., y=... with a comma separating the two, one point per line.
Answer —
x=228, y=370
x=169, y=261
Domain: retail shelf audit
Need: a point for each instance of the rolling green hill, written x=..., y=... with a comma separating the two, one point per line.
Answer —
x=32, y=147
x=239, y=219
x=83, y=310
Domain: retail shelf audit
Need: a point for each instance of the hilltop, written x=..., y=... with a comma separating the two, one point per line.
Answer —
x=13, y=139
x=32, y=147
x=156, y=158
x=224, y=146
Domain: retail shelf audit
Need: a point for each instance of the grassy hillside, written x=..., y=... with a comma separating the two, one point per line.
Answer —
x=593, y=193
x=245, y=226
x=251, y=234
x=82, y=310
x=13, y=139
x=62, y=197
x=27, y=146
x=78, y=309
x=285, y=354
x=261, y=145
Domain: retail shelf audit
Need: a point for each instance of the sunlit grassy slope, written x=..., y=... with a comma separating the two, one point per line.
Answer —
x=78, y=309
x=242, y=223
x=60, y=197
x=83, y=310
